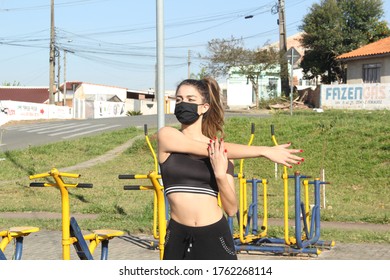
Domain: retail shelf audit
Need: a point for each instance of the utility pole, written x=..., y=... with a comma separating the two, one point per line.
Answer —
x=283, y=48
x=52, y=55
x=58, y=74
x=160, y=87
x=189, y=64
x=64, y=89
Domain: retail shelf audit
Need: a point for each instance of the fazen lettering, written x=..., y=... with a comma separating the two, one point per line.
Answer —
x=344, y=93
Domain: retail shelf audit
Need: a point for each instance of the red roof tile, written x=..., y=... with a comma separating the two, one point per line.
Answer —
x=377, y=48
x=25, y=94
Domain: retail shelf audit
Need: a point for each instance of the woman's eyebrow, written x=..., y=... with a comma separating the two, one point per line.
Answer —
x=188, y=96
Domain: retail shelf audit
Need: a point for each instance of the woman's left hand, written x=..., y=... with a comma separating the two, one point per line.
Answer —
x=282, y=154
x=218, y=157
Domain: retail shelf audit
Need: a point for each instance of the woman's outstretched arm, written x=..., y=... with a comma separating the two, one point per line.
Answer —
x=281, y=154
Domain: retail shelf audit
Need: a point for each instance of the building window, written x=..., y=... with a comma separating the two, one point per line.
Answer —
x=272, y=87
x=372, y=73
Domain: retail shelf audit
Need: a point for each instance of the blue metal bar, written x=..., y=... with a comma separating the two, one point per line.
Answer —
x=18, y=248
x=254, y=205
x=298, y=231
x=104, y=251
x=277, y=249
x=2, y=256
x=304, y=219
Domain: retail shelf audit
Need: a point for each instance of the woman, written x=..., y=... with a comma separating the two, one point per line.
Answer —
x=195, y=168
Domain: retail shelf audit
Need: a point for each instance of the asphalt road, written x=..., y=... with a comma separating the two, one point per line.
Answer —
x=21, y=135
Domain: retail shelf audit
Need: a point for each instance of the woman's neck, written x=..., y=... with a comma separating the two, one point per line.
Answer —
x=194, y=131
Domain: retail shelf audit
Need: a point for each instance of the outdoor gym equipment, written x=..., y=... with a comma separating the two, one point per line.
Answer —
x=310, y=233
x=307, y=221
x=307, y=216
x=307, y=231
x=160, y=204
x=287, y=238
x=247, y=214
x=71, y=232
x=17, y=234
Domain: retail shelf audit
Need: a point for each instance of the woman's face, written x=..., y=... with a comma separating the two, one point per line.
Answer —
x=188, y=93
x=189, y=104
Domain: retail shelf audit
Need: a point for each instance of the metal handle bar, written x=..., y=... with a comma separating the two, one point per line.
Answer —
x=252, y=128
x=145, y=129
x=133, y=176
x=79, y=185
x=300, y=176
x=126, y=176
x=48, y=174
x=137, y=188
x=319, y=182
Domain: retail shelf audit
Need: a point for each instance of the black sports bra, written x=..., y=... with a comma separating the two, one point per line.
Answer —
x=187, y=173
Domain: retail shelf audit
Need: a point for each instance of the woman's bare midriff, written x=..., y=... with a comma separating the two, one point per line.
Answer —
x=194, y=210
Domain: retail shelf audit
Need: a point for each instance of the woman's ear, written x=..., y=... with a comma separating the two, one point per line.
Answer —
x=205, y=108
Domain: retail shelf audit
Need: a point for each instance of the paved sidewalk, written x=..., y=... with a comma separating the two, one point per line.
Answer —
x=46, y=245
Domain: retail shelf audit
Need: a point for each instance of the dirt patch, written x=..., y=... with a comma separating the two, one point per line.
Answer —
x=43, y=215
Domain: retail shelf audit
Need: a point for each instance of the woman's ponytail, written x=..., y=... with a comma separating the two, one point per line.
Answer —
x=213, y=120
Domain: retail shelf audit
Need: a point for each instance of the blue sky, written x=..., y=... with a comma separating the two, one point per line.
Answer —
x=112, y=42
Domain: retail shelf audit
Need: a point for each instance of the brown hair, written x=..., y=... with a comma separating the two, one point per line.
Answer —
x=213, y=119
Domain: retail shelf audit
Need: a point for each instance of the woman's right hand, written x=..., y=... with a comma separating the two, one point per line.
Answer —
x=218, y=157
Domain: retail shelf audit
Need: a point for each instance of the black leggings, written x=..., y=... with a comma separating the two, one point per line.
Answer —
x=211, y=242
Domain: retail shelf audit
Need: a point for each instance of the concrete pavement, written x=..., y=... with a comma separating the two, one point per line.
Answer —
x=46, y=245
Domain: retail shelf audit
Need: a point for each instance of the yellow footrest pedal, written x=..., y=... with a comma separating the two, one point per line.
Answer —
x=108, y=233
x=20, y=231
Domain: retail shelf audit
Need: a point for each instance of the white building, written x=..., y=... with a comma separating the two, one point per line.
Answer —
x=240, y=93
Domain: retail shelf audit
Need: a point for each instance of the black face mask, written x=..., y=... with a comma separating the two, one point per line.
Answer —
x=187, y=113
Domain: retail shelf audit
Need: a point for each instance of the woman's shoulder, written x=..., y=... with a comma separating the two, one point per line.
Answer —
x=167, y=131
x=167, y=128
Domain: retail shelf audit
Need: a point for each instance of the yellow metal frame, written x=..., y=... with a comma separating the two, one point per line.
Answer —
x=159, y=220
x=159, y=207
x=157, y=199
x=243, y=203
x=287, y=239
x=96, y=238
x=307, y=205
x=14, y=232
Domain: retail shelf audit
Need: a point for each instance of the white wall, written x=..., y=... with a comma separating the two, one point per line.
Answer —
x=16, y=111
x=100, y=92
x=239, y=93
x=357, y=96
x=147, y=107
x=106, y=109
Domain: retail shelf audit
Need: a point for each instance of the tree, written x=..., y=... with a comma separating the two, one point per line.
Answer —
x=14, y=84
x=203, y=73
x=226, y=55
x=334, y=27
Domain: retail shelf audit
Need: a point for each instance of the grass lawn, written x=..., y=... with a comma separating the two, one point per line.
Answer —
x=350, y=148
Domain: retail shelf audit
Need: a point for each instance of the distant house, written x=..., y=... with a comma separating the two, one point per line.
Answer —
x=29, y=103
x=239, y=89
x=25, y=94
x=141, y=101
x=294, y=42
x=368, y=64
x=99, y=101
x=368, y=79
x=75, y=99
